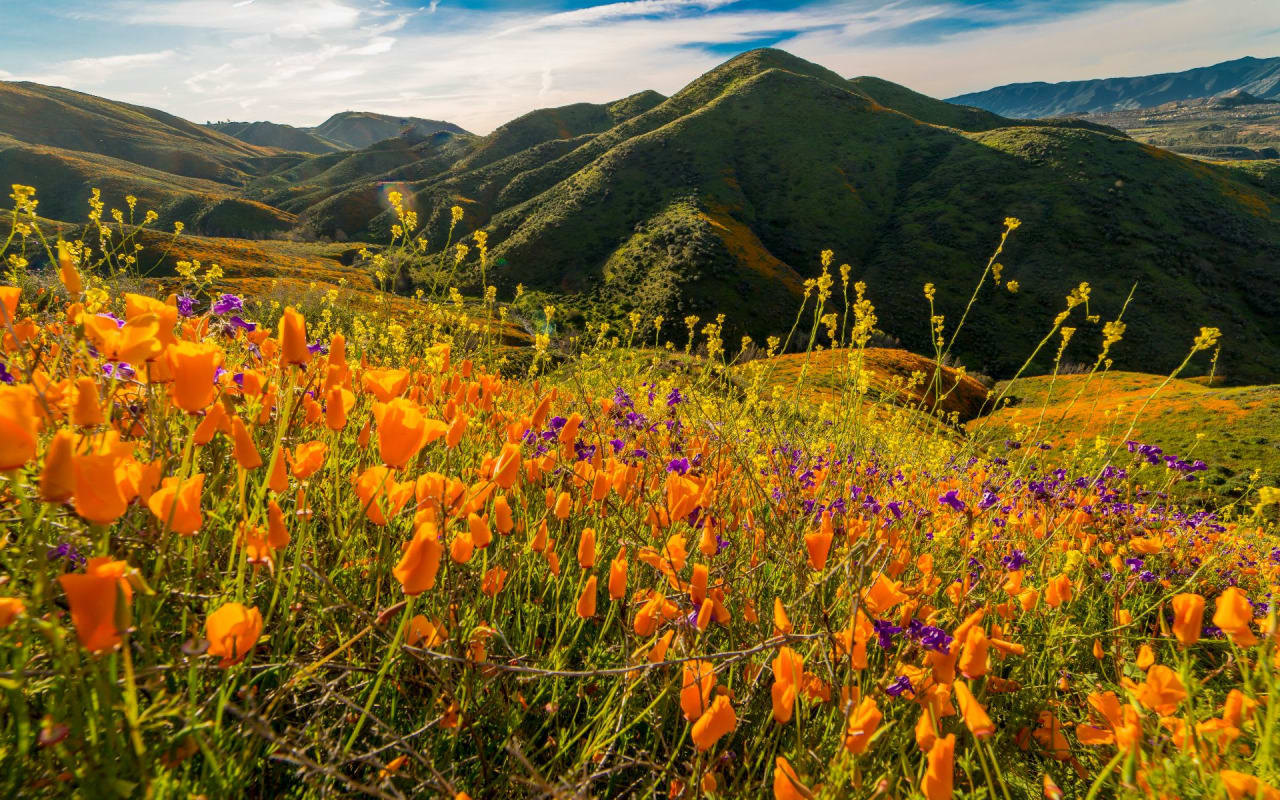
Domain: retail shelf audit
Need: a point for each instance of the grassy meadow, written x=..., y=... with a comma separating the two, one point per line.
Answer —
x=281, y=521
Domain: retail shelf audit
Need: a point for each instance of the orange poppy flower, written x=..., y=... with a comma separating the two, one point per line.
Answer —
x=698, y=679
x=862, y=726
x=781, y=622
x=1162, y=691
x=403, y=430
x=98, y=497
x=177, y=506
x=193, y=366
x=67, y=272
x=1240, y=786
x=618, y=576
x=99, y=601
x=380, y=496
x=10, y=609
x=494, y=579
x=338, y=404
x=308, y=459
x=587, y=548
x=788, y=671
x=938, y=772
x=502, y=519
x=974, y=660
x=215, y=419
x=456, y=430
x=1188, y=617
x=506, y=469
x=57, y=478
x=786, y=784
x=1058, y=591
x=420, y=562
x=564, y=504
x=718, y=721
x=883, y=595
x=293, y=337
x=18, y=425
x=87, y=412
x=385, y=384
x=1234, y=615
x=135, y=342
x=587, y=600
x=478, y=528
x=245, y=451
x=975, y=716
x=424, y=633
x=819, y=544
x=232, y=632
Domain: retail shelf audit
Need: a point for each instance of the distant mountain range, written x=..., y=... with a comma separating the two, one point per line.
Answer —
x=720, y=198
x=1259, y=77
x=348, y=130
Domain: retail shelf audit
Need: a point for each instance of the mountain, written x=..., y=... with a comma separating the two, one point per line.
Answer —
x=719, y=199
x=1257, y=76
x=357, y=129
x=275, y=135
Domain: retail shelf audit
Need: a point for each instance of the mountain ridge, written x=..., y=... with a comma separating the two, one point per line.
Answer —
x=1257, y=76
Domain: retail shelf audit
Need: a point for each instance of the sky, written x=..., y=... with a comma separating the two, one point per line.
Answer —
x=479, y=63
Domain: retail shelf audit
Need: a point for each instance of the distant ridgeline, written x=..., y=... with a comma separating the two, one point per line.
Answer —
x=720, y=198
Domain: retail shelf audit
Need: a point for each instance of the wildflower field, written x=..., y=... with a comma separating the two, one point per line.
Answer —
x=257, y=551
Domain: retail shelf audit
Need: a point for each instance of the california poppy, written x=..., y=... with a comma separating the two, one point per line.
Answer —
x=403, y=430
x=1234, y=615
x=587, y=600
x=307, y=459
x=98, y=497
x=245, y=451
x=587, y=548
x=938, y=774
x=975, y=716
x=232, y=632
x=99, y=600
x=10, y=609
x=87, y=412
x=18, y=421
x=177, y=504
x=788, y=670
x=1188, y=617
x=293, y=337
x=57, y=478
x=618, y=576
x=718, y=720
x=862, y=726
x=786, y=784
x=698, y=679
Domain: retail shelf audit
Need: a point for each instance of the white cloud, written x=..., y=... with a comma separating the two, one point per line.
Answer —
x=298, y=62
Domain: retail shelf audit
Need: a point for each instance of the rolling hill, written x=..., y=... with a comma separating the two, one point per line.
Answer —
x=1257, y=76
x=280, y=137
x=1236, y=125
x=357, y=129
x=720, y=198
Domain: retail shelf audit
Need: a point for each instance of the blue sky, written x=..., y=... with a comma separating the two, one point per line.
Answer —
x=480, y=63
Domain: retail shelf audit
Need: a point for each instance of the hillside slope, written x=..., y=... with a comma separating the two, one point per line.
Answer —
x=357, y=129
x=280, y=137
x=1257, y=76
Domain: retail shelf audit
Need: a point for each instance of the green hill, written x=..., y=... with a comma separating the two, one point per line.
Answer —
x=280, y=137
x=357, y=129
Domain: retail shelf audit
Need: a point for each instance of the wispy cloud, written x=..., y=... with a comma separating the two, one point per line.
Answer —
x=300, y=60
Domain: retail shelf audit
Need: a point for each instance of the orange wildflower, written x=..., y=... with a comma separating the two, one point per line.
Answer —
x=293, y=337
x=245, y=451
x=193, y=365
x=587, y=600
x=1234, y=615
x=403, y=430
x=938, y=774
x=618, y=576
x=788, y=671
x=1058, y=591
x=420, y=562
x=718, y=720
x=17, y=426
x=98, y=497
x=862, y=726
x=10, y=609
x=57, y=478
x=232, y=632
x=786, y=784
x=99, y=601
x=308, y=459
x=698, y=679
x=177, y=504
x=87, y=412
x=1162, y=691
x=975, y=716
x=587, y=548
x=1188, y=617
